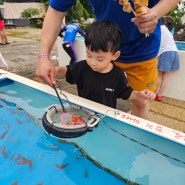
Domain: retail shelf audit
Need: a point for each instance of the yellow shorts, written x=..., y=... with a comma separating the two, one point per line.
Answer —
x=141, y=75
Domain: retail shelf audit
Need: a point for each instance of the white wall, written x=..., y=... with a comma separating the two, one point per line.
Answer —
x=176, y=82
x=13, y=10
x=63, y=56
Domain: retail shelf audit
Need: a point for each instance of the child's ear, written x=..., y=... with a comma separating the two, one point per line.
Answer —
x=116, y=55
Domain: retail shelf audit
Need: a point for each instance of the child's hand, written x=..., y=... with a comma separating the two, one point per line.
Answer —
x=147, y=94
x=60, y=71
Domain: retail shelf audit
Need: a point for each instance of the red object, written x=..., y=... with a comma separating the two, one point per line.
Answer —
x=1, y=24
x=158, y=98
x=74, y=118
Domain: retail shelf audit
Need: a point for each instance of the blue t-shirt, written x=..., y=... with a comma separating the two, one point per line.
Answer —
x=135, y=47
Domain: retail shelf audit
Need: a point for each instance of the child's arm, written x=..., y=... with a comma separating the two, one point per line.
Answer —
x=144, y=94
x=61, y=31
x=60, y=71
x=82, y=33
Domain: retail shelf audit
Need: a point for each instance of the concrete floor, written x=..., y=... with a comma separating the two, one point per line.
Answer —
x=21, y=56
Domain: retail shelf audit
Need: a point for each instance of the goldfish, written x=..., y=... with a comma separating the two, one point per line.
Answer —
x=15, y=183
x=77, y=120
x=19, y=121
x=74, y=118
x=4, y=134
x=86, y=173
x=22, y=160
x=12, y=156
x=41, y=183
x=3, y=152
x=80, y=120
x=18, y=157
x=62, y=166
x=25, y=161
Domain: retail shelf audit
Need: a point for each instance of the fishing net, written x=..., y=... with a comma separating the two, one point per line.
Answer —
x=72, y=121
x=71, y=116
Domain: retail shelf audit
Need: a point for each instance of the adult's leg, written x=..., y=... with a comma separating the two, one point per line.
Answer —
x=164, y=82
x=167, y=62
x=5, y=37
x=2, y=37
x=141, y=75
x=159, y=80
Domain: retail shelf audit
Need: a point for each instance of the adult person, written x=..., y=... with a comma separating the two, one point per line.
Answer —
x=71, y=31
x=168, y=59
x=55, y=47
x=3, y=36
x=101, y=52
x=138, y=53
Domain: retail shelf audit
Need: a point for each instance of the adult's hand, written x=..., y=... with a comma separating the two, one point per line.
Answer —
x=46, y=71
x=51, y=27
x=146, y=23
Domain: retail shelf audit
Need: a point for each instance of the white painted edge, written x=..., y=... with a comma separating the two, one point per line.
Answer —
x=157, y=129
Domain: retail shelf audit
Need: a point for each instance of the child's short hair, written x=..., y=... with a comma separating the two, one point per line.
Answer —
x=168, y=22
x=103, y=35
x=75, y=21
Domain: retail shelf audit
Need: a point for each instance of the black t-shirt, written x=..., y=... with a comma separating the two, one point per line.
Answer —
x=103, y=88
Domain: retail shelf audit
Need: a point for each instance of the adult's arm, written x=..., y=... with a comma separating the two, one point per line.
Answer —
x=51, y=27
x=148, y=22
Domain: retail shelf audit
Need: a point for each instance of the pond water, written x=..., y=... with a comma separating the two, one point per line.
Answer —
x=180, y=45
x=29, y=156
x=114, y=153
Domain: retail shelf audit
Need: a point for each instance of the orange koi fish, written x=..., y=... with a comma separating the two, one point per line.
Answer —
x=19, y=121
x=25, y=161
x=12, y=156
x=18, y=157
x=3, y=152
x=4, y=134
x=41, y=183
x=62, y=166
x=80, y=120
x=15, y=183
x=28, y=161
x=86, y=173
